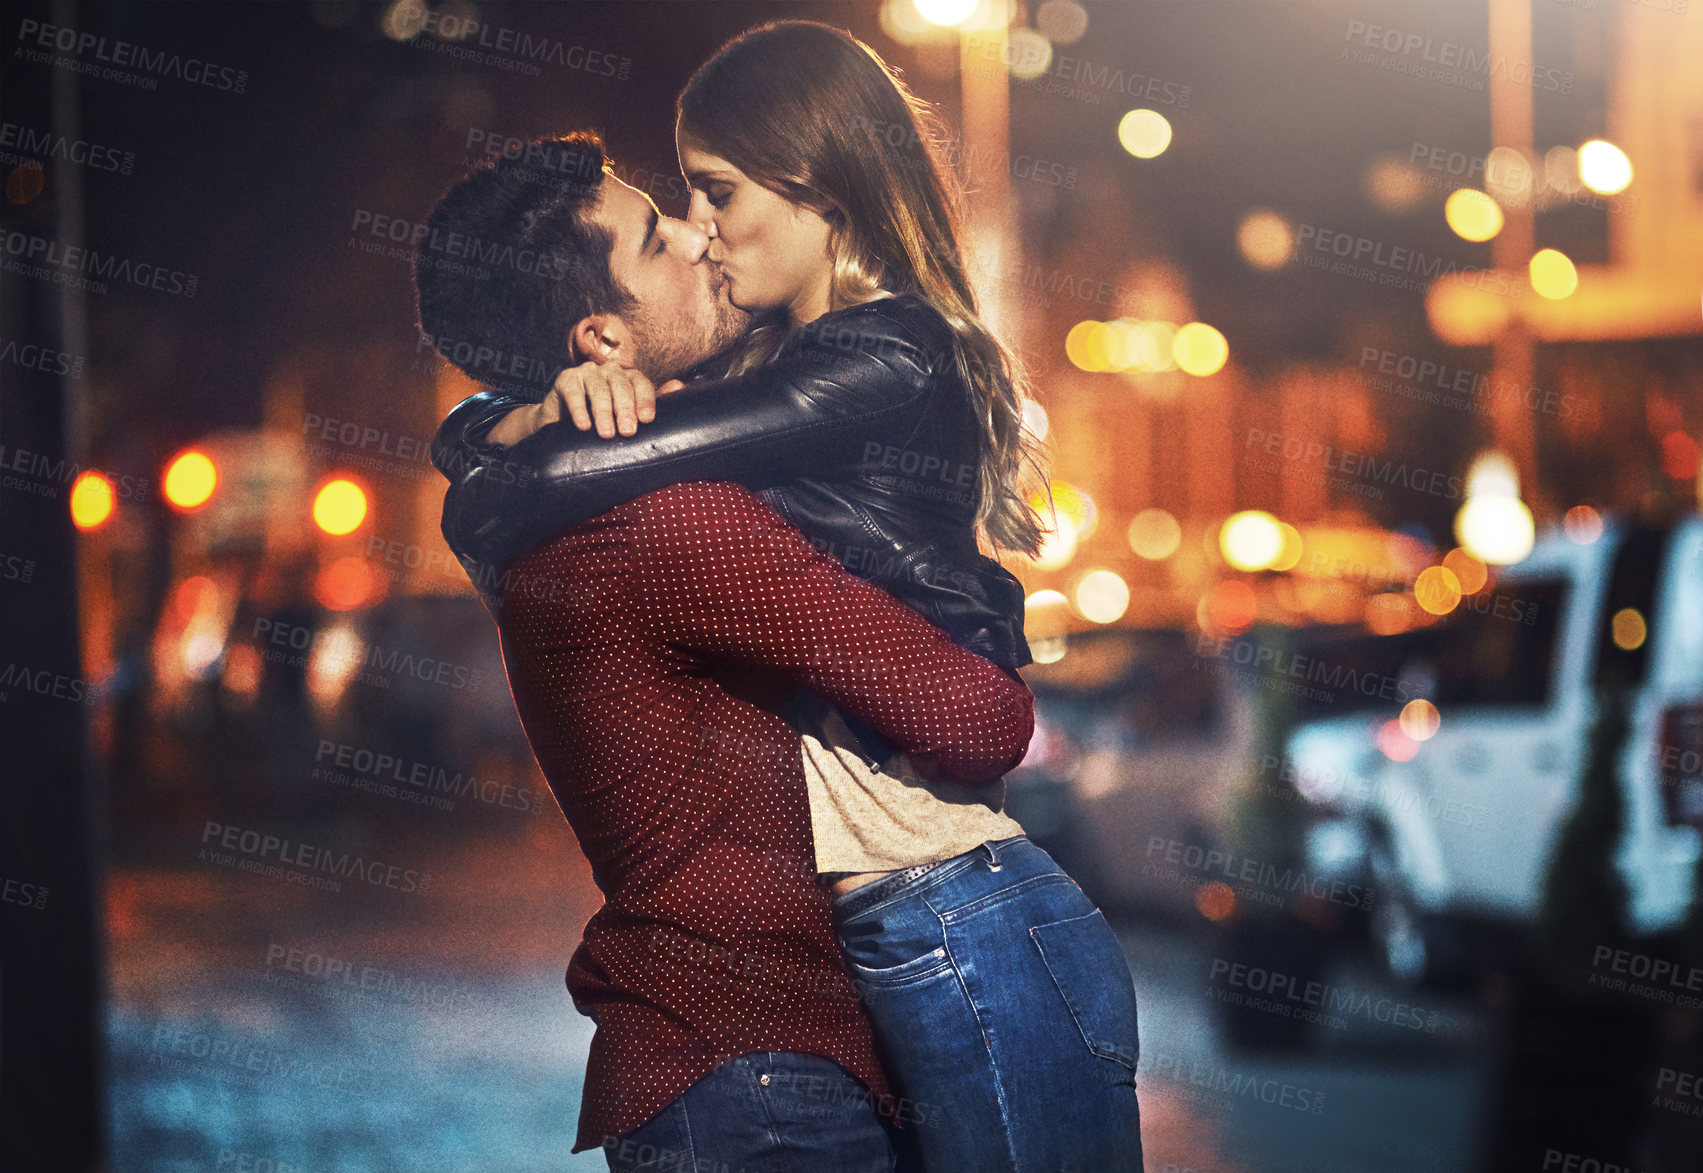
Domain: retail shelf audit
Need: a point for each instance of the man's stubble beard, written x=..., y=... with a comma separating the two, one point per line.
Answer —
x=669, y=351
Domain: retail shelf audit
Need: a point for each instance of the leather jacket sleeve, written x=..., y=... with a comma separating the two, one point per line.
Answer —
x=807, y=413
x=857, y=378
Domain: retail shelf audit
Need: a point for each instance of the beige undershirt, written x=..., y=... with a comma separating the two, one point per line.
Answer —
x=868, y=819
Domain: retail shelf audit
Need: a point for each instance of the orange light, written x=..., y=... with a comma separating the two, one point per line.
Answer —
x=1389, y=613
x=192, y=595
x=1437, y=589
x=1469, y=571
x=92, y=501
x=1472, y=214
x=190, y=480
x=1215, y=901
x=1680, y=456
x=1230, y=607
x=1628, y=629
x=1465, y=315
x=339, y=506
x=1553, y=274
x=1199, y=349
x=348, y=583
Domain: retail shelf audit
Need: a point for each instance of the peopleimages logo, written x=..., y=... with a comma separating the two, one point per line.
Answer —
x=133, y=56
x=1254, y=985
x=422, y=776
x=1448, y=62
x=1227, y=864
x=1396, y=265
x=1296, y=449
x=258, y=848
x=36, y=256
x=52, y=145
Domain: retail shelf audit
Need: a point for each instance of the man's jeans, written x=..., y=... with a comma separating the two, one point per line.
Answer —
x=1006, y=1015
x=766, y=1112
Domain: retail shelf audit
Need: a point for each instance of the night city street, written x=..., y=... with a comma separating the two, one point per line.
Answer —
x=559, y=559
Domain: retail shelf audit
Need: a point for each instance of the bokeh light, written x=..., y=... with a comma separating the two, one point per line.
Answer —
x=1290, y=553
x=1437, y=590
x=1508, y=176
x=1215, y=901
x=1035, y=420
x=1395, y=185
x=1420, y=720
x=1046, y=598
x=1389, y=613
x=1473, y=215
x=1561, y=169
x=1680, y=455
x=1073, y=505
x=190, y=480
x=1062, y=21
x=26, y=182
x=1266, y=239
x=1229, y=607
x=1465, y=315
x=945, y=13
x=339, y=507
x=1583, y=525
x=348, y=583
x=1469, y=572
x=1394, y=742
x=404, y=19
x=1102, y=596
x=1154, y=534
x=1493, y=475
x=1553, y=275
x=197, y=593
x=1604, y=167
x=1082, y=346
x=1030, y=54
x=1144, y=133
x=1495, y=529
x=1058, y=546
x=1199, y=349
x=1628, y=629
x=92, y=500
x=1251, y=540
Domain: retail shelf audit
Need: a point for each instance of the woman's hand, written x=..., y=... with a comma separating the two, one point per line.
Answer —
x=614, y=397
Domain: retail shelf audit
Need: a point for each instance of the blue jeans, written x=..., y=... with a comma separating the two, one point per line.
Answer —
x=1005, y=1012
x=765, y=1112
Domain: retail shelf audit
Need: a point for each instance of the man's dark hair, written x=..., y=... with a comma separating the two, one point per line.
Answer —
x=510, y=262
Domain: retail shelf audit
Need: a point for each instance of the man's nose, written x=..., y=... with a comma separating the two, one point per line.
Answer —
x=686, y=239
x=701, y=215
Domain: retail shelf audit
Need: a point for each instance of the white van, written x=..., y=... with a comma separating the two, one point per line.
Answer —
x=1460, y=835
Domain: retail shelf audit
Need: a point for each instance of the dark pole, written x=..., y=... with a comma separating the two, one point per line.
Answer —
x=51, y=971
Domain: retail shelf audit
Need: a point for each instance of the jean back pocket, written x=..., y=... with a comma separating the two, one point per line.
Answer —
x=1089, y=969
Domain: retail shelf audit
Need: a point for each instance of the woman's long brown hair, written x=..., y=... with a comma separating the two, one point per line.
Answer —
x=811, y=113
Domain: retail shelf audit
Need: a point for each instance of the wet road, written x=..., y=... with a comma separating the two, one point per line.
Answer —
x=261, y=1026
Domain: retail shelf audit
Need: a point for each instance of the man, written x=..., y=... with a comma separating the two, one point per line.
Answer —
x=649, y=672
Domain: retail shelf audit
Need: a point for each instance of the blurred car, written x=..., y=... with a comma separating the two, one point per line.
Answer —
x=1136, y=751
x=1455, y=832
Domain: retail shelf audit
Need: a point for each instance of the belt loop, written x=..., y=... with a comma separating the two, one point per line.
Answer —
x=993, y=855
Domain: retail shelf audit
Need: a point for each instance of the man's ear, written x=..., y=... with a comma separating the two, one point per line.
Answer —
x=603, y=338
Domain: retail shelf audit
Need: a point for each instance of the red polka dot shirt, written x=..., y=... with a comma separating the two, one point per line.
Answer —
x=649, y=680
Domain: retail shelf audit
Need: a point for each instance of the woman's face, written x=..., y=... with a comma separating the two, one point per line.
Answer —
x=773, y=253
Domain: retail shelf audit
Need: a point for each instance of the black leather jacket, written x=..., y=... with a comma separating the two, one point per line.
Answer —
x=860, y=432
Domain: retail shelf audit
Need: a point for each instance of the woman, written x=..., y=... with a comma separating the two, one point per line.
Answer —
x=1001, y=999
